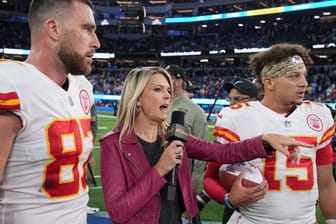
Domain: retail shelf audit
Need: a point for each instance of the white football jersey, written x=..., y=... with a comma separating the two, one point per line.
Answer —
x=45, y=175
x=293, y=189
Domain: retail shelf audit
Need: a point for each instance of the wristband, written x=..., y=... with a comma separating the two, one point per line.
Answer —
x=228, y=203
x=330, y=221
x=203, y=197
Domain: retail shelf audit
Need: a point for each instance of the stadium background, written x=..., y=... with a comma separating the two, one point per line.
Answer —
x=140, y=33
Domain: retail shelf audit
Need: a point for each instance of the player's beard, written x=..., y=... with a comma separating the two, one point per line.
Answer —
x=73, y=62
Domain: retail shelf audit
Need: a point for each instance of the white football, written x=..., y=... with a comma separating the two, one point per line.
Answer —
x=228, y=173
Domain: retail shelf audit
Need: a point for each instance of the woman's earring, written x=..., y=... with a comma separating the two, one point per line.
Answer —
x=138, y=109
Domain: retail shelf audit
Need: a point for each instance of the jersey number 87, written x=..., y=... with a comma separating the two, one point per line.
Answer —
x=65, y=162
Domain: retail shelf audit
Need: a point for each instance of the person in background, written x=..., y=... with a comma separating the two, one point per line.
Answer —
x=293, y=188
x=260, y=89
x=136, y=159
x=334, y=148
x=333, y=143
x=195, y=121
x=91, y=163
x=241, y=91
x=45, y=117
x=190, y=89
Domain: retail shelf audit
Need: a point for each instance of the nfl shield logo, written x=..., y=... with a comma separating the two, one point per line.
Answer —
x=288, y=124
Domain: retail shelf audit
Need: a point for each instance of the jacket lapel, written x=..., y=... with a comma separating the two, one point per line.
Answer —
x=134, y=153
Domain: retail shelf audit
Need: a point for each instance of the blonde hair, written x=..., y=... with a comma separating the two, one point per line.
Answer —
x=134, y=86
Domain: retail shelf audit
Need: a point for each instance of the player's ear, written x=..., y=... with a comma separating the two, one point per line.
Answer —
x=53, y=29
x=268, y=83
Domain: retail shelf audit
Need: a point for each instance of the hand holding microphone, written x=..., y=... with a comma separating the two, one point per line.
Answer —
x=176, y=131
x=171, y=156
x=175, y=136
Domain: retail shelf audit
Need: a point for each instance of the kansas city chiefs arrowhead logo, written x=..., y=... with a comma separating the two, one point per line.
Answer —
x=84, y=101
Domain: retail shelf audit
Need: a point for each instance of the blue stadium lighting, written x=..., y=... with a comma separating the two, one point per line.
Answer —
x=101, y=55
x=15, y=51
x=193, y=19
x=309, y=6
x=210, y=101
x=199, y=101
x=257, y=12
x=106, y=97
x=223, y=102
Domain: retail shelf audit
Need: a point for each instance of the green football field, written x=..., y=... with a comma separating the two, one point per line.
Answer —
x=211, y=212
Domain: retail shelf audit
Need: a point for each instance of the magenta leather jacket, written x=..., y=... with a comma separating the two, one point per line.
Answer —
x=132, y=187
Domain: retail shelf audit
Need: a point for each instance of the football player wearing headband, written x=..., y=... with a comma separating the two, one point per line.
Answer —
x=293, y=188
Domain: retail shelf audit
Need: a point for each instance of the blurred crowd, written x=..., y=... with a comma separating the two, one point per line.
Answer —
x=108, y=77
x=300, y=29
x=321, y=81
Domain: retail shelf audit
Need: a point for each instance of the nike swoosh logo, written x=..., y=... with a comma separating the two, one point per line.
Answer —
x=220, y=116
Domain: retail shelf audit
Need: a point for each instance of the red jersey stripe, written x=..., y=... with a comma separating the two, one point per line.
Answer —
x=328, y=134
x=9, y=101
x=226, y=134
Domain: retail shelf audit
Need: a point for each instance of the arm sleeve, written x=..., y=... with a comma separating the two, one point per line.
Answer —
x=94, y=121
x=211, y=183
x=333, y=145
x=200, y=126
x=245, y=150
x=201, y=130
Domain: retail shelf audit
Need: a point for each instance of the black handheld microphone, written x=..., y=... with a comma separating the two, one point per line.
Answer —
x=176, y=131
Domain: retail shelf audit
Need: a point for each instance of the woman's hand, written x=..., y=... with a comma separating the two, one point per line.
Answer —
x=281, y=142
x=171, y=156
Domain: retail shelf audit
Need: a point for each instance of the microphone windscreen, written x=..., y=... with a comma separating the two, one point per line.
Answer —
x=178, y=117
